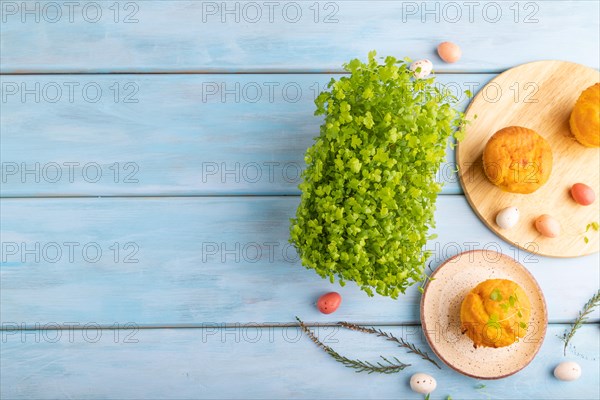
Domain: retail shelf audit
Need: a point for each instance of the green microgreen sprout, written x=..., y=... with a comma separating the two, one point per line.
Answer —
x=512, y=303
x=592, y=225
x=369, y=189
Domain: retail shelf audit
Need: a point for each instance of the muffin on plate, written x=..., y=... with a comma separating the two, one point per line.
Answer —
x=517, y=160
x=495, y=313
x=585, y=117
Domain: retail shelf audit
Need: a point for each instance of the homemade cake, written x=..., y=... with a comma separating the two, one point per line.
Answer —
x=495, y=313
x=517, y=160
x=585, y=117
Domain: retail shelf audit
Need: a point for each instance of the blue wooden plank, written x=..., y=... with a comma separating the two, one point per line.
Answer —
x=143, y=36
x=90, y=135
x=171, y=261
x=270, y=363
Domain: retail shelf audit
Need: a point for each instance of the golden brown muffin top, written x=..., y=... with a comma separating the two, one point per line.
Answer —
x=495, y=313
x=517, y=160
x=585, y=118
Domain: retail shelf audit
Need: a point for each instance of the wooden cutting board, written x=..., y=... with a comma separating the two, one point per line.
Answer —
x=540, y=96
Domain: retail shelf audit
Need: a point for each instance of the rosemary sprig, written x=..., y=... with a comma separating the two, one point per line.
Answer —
x=581, y=318
x=390, y=337
x=383, y=367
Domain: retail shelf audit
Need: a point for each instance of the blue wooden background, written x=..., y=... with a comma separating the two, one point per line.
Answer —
x=150, y=156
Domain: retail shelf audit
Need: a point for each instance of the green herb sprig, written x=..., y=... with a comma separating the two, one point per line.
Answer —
x=482, y=389
x=383, y=367
x=369, y=188
x=511, y=303
x=390, y=337
x=588, y=308
x=592, y=225
x=427, y=278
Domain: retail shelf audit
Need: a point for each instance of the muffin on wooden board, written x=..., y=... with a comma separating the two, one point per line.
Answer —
x=585, y=117
x=495, y=313
x=517, y=160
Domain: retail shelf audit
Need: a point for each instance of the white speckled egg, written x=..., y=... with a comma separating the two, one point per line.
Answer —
x=425, y=65
x=508, y=217
x=422, y=383
x=567, y=371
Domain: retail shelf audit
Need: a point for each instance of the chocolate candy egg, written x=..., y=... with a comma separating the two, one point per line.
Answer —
x=329, y=302
x=583, y=194
x=508, y=217
x=567, y=371
x=548, y=226
x=449, y=52
x=425, y=68
x=422, y=383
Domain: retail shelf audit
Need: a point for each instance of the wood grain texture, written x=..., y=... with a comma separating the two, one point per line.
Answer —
x=167, y=134
x=272, y=363
x=206, y=37
x=215, y=260
x=554, y=87
x=192, y=261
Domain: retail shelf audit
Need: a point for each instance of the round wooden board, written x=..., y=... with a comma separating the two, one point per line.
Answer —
x=540, y=96
x=440, y=315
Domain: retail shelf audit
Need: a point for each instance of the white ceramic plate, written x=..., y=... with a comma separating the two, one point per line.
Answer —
x=440, y=315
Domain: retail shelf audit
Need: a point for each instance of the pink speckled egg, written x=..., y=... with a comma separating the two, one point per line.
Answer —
x=449, y=52
x=548, y=226
x=329, y=302
x=583, y=194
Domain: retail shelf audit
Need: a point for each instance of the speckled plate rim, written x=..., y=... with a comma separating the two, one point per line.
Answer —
x=426, y=331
